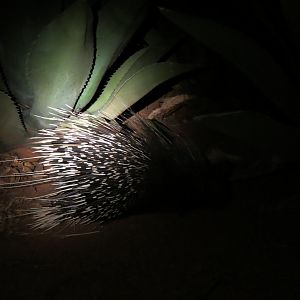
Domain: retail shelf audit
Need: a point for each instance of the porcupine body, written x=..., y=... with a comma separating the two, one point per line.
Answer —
x=97, y=168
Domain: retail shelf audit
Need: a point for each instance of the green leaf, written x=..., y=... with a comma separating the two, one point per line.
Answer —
x=149, y=56
x=138, y=85
x=157, y=49
x=117, y=22
x=60, y=62
x=20, y=23
x=116, y=80
x=247, y=55
x=139, y=60
x=291, y=11
x=159, y=45
x=12, y=132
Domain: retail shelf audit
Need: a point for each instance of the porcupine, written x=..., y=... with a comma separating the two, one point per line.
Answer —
x=99, y=168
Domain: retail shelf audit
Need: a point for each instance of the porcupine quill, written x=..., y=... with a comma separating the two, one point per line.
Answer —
x=96, y=167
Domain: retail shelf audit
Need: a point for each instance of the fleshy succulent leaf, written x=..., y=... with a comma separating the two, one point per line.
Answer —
x=12, y=131
x=60, y=62
x=116, y=79
x=117, y=22
x=20, y=23
x=247, y=55
x=148, y=56
x=137, y=61
x=159, y=45
x=139, y=85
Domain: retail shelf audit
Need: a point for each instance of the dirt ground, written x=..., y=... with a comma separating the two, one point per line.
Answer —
x=247, y=250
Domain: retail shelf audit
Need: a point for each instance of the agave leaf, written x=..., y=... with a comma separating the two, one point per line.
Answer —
x=140, y=59
x=258, y=131
x=291, y=11
x=138, y=85
x=20, y=23
x=150, y=55
x=156, y=50
x=247, y=55
x=116, y=80
x=159, y=45
x=12, y=132
x=117, y=22
x=60, y=62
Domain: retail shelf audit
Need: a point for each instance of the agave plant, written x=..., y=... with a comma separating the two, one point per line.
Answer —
x=62, y=63
x=73, y=58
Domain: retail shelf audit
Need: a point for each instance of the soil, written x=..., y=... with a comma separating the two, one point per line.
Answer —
x=245, y=245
